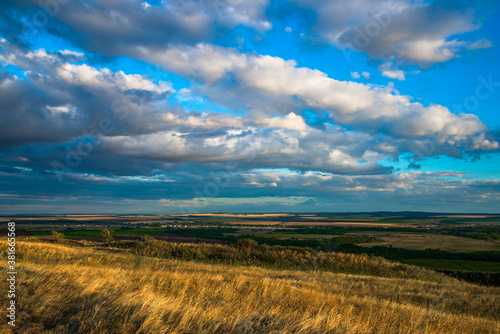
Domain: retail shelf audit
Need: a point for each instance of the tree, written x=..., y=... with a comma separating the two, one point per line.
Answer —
x=58, y=237
x=106, y=234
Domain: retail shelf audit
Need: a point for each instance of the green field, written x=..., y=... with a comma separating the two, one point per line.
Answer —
x=421, y=241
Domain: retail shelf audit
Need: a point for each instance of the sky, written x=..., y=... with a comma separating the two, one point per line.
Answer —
x=191, y=106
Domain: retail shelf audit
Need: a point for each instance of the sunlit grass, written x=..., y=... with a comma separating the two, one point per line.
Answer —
x=75, y=289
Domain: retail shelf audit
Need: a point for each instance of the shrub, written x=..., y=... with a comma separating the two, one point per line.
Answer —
x=247, y=244
x=58, y=236
x=147, y=238
x=192, y=255
x=106, y=234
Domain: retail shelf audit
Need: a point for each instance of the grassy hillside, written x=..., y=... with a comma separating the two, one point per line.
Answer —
x=248, y=252
x=75, y=289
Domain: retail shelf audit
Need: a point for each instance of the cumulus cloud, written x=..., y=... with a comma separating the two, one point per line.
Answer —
x=408, y=32
x=392, y=73
x=252, y=147
x=110, y=27
x=85, y=75
x=365, y=107
x=382, y=122
x=290, y=122
x=58, y=100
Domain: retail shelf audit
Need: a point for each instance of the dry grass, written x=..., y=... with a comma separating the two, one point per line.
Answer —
x=278, y=257
x=75, y=289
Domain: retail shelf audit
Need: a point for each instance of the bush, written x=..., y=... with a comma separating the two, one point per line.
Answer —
x=106, y=234
x=58, y=236
x=147, y=238
x=247, y=244
x=192, y=255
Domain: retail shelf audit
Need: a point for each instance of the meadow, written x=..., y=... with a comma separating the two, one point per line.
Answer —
x=87, y=287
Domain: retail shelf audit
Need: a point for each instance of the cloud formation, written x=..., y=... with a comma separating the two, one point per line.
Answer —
x=80, y=112
x=408, y=32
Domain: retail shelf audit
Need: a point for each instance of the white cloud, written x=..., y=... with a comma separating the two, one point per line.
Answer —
x=429, y=51
x=273, y=80
x=482, y=43
x=355, y=75
x=392, y=73
x=289, y=122
x=481, y=143
x=366, y=75
x=65, y=109
x=408, y=32
x=280, y=87
x=207, y=62
x=104, y=78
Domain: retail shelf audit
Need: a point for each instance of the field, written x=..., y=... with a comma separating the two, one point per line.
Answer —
x=460, y=265
x=400, y=236
x=419, y=241
x=89, y=289
x=259, y=273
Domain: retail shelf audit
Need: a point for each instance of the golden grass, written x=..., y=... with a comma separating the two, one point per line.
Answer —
x=291, y=258
x=74, y=289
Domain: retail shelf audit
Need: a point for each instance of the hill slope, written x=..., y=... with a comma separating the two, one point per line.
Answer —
x=75, y=289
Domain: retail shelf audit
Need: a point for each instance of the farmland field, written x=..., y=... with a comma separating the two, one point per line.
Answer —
x=420, y=238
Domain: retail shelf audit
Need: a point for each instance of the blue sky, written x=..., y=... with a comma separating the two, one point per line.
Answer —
x=249, y=106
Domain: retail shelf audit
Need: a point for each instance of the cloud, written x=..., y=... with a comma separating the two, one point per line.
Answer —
x=58, y=100
x=289, y=122
x=429, y=51
x=232, y=201
x=364, y=107
x=392, y=73
x=110, y=27
x=356, y=75
x=288, y=137
x=196, y=190
x=85, y=75
x=381, y=122
x=482, y=43
x=251, y=148
x=408, y=32
x=405, y=31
